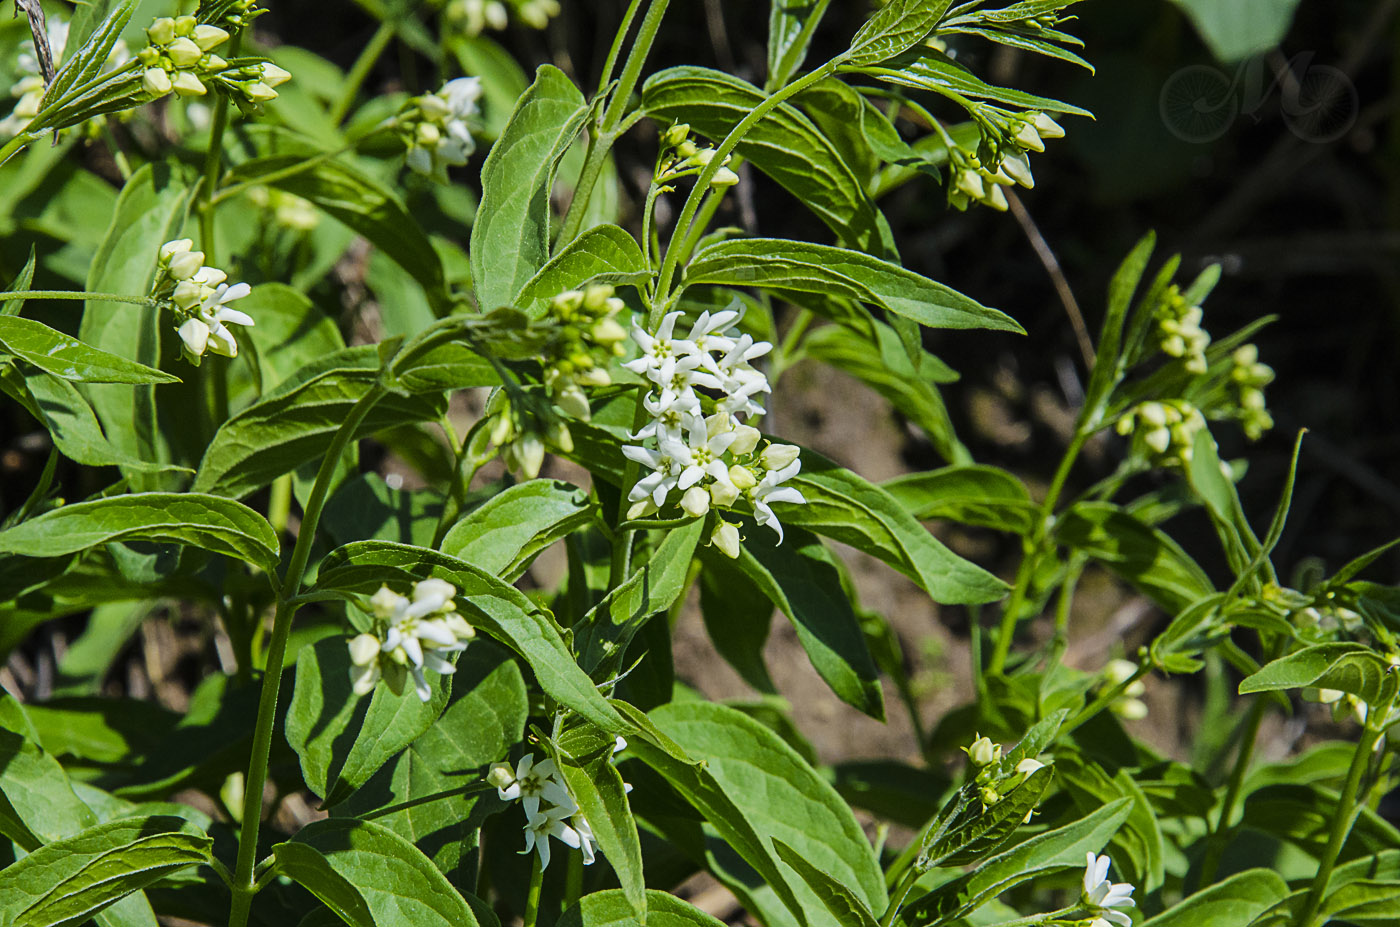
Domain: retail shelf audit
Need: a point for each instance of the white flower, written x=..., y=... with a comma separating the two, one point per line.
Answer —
x=534, y=781
x=1103, y=896
x=587, y=842
x=364, y=663
x=770, y=490
x=443, y=136
x=541, y=825
x=421, y=629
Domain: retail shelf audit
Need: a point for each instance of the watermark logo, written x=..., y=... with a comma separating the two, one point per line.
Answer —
x=1317, y=102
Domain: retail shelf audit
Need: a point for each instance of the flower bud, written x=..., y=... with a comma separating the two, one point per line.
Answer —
x=687, y=150
x=1027, y=137
x=723, y=493
x=596, y=296
x=983, y=752
x=501, y=775
x=1018, y=167
x=572, y=401
x=195, y=335
x=428, y=135
x=989, y=796
x=186, y=84
x=185, y=264
x=187, y=294
x=274, y=76
x=675, y=135
x=162, y=31
x=695, y=502
x=258, y=92
x=778, y=456
x=724, y=179
x=641, y=508
x=1046, y=127
x=207, y=37
x=364, y=649
x=742, y=477
x=745, y=440
x=970, y=182
x=184, y=53
x=172, y=248
x=156, y=82
x=608, y=331
x=726, y=538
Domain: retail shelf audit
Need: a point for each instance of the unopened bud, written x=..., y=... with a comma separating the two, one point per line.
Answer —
x=207, y=37
x=187, y=85
x=983, y=752
x=742, y=477
x=156, y=82
x=675, y=135
x=745, y=440
x=184, y=53
x=1047, y=127
x=726, y=538
x=501, y=775
x=274, y=76
x=162, y=31
x=778, y=456
x=364, y=649
x=723, y=179
x=695, y=502
x=989, y=796
x=723, y=493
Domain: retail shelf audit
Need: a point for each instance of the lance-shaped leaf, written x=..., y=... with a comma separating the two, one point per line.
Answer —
x=598, y=788
x=23, y=281
x=510, y=238
x=37, y=804
x=1352, y=668
x=493, y=606
x=505, y=532
x=1140, y=554
x=70, y=880
x=310, y=868
x=343, y=738
x=791, y=24
x=604, y=254
x=843, y=904
x=295, y=423
x=612, y=909
x=397, y=883
x=63, y=356
x=969, y=494
x=779, y=794
x=785, y=145
x=215, y=524
x=896, y=28
x=940, y=74
x=810, y=268
x=1236, y=900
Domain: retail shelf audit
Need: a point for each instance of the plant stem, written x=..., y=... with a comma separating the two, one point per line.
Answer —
x=616, y=51
x=1216, y=847
x=681, y=231
x=573, y=883
x=1106, y=698
x=897, y=897
x=78, y=295
x=244, y=886
x=1345, y=816
x=369, y=56
x=532, y=901
x=632, y=70
x=213, y=162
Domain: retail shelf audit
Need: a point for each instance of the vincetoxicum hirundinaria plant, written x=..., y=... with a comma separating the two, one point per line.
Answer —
x=487, y=752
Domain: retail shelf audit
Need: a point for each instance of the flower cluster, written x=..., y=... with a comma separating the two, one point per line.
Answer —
x=474, y=16
x=992, y=785
x=587, y=337
x=550, y=810
x=681, y=157
x=1249, y=377
x=1019, y=134
x=522, y=427
x=1128, y=705
x=1163, y=431
x=181, y=58
x=412, y=633
x=200, y=297
x=437, y=127
x=1102, y=897
x=1179, y=331
x=712, y=459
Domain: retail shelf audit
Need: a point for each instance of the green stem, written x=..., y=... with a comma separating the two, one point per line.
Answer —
x=1106, y=698
x=532, y=901
x=213, y=162
x=897, y=897
x=9, y=149
x=573, y=883
x=632, y=70
x=598, y=146
x=1216, y=847
x=244, y=887
x=616, y=51
x=803, y=38
x=78, y=295
x=682, y=228
x=1347, y=809
x=360, y=70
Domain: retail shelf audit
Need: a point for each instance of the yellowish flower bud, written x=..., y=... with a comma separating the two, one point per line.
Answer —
x=184, y=53
x=675, y=135
x=742, y=477
x=983, y=752
x=364, y=649
x=162, y=31
x=156, y=82
x=207, y=37
x=724, y=178
x=186, y=84
x=778, y=456
x=726, y=538
x=695, y=502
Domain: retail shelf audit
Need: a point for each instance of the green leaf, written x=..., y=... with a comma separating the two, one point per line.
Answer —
x=937, y=73
x=602, y=637
x=291, y=331
x=1142, y=555
x=150, y=211
x=295, y=423
x=342, y=738
x=990, y=827
x=23, y=280
x=65, y=357
x=398, y=884
x=1242, y=28
x=37, y=804
x=510, y=240
x=846, y=508
x=217, y=525
x=779, y=794
x=738, y=615
x=1107, y=368
x=346, y=194
x=502, y=80
x=894, y=29
x=1236, y=900
x=1352, y=668
x=70, y=880
x=604, y=254
x=843, y=904
x=785, y=145
x=811, y=268
x=1054, y=851
x=969, y=494
x=802, y=578
x=791, y=24
x=612, y=909
x=310, y=868
x=507, y=531
x=598, y=788
x=491, y=605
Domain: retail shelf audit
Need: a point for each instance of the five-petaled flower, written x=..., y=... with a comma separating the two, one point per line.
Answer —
x=1103, y=897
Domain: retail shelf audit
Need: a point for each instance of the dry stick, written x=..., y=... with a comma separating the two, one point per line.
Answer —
x=1057, y=275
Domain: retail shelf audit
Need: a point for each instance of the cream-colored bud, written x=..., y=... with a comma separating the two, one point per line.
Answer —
x=596, y=296
x=172, y=248
x=186, y=84
x=501, y=775
x=184, y=53
x=723, y=493
x=726, y=538
x=778, y=456
x=746, y=438
x=675, y=135
x=742, y=477
x=428, y=134
x=970, y=182
x=641, y=508
x=156, y=82
x=274, y=76
x=385, y=601
x=989, y=796
x=1159, y=439
x=185, y=264
x=996, y=198
x=687, y=150
x=695, y=502
x=187, y=294
x=1018, y=167
x=364, y=649
x=983, y=752
x=185, y=25
x=608, y=331
x=1027, y=137
x=194, y=333
x=1119, y=671
x=162, y=31
x=208, y=37
x=1028, y=766
x=724, y=178
x=1152, y=413
x=1046, y=127
x=572, y=401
